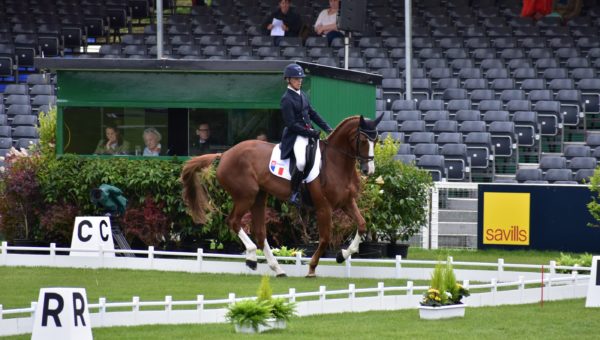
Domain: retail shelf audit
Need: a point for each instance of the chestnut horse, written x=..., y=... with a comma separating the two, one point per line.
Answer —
x=243, y=171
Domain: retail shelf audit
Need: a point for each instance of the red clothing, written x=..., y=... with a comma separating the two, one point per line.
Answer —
x=533, y=8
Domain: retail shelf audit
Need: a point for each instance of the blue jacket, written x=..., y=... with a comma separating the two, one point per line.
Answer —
x=297, y=116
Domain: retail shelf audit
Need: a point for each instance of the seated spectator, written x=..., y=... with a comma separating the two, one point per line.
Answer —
x=283, y=22
x=536, y=9
x=326, y=24
x=568, y=9
x=201, y=145
x=262, y=135
x=152, y=139
x=113, y=144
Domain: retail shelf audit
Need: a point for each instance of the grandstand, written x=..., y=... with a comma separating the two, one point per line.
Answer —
x=496, y=97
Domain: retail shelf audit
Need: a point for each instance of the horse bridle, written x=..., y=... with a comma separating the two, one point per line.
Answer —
x=371, y=135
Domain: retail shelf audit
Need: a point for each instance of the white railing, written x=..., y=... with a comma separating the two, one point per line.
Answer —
x=201, y=262
x=320, y=302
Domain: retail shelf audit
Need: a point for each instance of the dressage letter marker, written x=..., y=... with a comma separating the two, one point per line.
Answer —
x=89, y=232
x=62, y=313
x=593, y=293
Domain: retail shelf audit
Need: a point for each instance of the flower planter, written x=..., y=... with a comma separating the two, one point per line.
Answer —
x=394, y=249
x=271, y=324
x=442, y=312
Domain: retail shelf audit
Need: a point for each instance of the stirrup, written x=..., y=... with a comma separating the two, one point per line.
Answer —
x=295, y=199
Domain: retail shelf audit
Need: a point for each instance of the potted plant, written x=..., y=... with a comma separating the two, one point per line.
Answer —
x=394, y=200
x=444, y=297
x=262, y=314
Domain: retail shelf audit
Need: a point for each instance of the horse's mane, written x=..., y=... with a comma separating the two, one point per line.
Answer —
x=341, y=124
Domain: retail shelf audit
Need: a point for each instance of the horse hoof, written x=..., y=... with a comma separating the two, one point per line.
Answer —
x=339, y=258
x=251, y=264
x=282, y=275
x=311, y=276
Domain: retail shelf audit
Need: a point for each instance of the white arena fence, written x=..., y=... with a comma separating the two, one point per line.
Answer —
x=496, y=286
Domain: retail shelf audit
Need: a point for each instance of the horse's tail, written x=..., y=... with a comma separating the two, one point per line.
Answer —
x=194, y=193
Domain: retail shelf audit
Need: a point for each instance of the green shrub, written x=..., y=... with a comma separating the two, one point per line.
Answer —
x=443, y=288
x=251, y=313
x=584, y=260
x=401, y=217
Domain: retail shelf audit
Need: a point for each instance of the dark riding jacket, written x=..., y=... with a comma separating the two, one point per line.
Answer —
x=297, y=115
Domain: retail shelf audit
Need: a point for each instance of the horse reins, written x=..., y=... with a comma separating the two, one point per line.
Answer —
x=359, y=131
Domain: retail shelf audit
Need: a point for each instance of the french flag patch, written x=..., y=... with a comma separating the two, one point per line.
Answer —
x=280, y=171
x=273, y=165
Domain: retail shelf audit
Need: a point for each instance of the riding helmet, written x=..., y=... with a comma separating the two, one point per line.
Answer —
x=293, y=71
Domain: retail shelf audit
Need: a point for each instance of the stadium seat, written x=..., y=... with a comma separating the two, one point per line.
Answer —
x=559, y=176
x=456, y=161
x=526, y=127
x=528, y=175
x=434, y=164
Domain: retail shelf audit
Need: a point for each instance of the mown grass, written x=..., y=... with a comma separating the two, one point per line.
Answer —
x=567, y=319
x=20, y=285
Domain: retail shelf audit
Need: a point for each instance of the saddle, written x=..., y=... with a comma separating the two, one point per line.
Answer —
x=281, y=167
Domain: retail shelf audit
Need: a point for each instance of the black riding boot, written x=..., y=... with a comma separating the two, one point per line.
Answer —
x=296, y=180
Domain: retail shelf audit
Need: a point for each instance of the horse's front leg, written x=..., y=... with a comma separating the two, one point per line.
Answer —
x=251, y=260
x=353, y=211
x=324, y=225
x=272, y=261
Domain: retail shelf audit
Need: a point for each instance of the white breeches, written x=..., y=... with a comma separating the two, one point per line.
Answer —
x=300, y=152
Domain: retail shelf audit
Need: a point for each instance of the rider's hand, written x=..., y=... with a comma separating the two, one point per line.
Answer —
x=314, y=133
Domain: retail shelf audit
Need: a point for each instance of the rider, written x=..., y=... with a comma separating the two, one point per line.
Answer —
x=297, y=116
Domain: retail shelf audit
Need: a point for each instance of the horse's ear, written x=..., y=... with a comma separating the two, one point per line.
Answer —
x=378, y=119
x=362, y=120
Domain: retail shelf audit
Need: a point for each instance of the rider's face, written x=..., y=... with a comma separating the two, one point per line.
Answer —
x=295, y=83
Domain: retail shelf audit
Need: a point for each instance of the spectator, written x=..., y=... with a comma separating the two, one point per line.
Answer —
x=536, y=9
x=113, y=144
x=262, y=135
x=568, y=9
x=283, y=22
x=201, y=145
x=326, y=24
x=152, y=139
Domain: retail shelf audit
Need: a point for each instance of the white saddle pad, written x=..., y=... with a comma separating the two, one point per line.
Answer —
x=281, y=167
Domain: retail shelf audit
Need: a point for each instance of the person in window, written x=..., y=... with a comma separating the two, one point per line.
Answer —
x=152, y=139
x=297, y=116
x=113, y=144
x=201, y=145
x=326, y=24
x=289, y=20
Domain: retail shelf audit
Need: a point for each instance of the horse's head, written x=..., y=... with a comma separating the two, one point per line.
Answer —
x=366, y=136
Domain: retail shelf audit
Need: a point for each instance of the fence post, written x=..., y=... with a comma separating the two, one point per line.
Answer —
x=33, y=307
x=136, y=304
x=151, y=256
x=52, y=251
x=292, y=294
x=136, y=308
x=168, y=303
x=430, y=239
x=4, y=251
x=348, y=266
x=199, y=258
x=410, y=288
x=500, y=268
x=298, y=263
x=231, y=298
x=102, y=309
x=494, y=283
x=200, y=306
x=351, y=295
x=552, y=267
x=521, y=287
x=576, y=265
x=398, y=265
x=0, y=312
x=322, y=291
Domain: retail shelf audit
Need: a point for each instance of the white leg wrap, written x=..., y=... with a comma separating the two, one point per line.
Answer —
x=353, y=247
x=271, y=260
x=250, y=246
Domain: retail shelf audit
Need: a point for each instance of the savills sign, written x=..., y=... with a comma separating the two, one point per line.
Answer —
x=506, y=218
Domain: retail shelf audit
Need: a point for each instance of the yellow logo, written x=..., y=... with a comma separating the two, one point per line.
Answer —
x=506, y=218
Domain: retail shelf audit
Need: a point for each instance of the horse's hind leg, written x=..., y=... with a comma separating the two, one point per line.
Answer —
x=324, y=224
x=234, y=221
x=260, y=232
